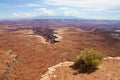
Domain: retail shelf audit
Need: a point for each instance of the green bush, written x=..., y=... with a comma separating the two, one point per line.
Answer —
x=88, y=61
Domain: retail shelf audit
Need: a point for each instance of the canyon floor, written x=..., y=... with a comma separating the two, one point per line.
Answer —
x=27, y=57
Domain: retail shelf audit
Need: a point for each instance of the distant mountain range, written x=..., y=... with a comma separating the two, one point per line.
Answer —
x=64, y=18
x=55, y=17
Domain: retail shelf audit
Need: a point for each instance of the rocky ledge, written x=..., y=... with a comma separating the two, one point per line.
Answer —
x=49, y=74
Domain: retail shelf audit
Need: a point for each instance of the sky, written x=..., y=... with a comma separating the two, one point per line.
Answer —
x=86, y=9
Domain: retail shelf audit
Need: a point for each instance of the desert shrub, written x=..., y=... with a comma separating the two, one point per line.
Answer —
x=88, y=61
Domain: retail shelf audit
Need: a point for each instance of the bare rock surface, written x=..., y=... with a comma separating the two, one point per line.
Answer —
x=108, y=70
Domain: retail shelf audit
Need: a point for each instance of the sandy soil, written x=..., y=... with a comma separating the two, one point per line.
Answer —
x=30, y=33
x=58, y=33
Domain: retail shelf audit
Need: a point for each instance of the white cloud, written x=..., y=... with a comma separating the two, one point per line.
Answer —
x=66, y=11
x=32, y=5
x=24, y=14
x=60, y=11
x=36, y=12
x=85, y=4
x=44, y=11
x=95, y=5
x=95, y=9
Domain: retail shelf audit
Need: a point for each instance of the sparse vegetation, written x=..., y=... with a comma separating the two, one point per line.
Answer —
x=88, y=61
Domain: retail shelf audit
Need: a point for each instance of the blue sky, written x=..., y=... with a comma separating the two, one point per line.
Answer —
x=89, y=9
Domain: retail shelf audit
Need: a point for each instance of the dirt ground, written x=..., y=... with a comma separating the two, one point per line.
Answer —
x=34, y=56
